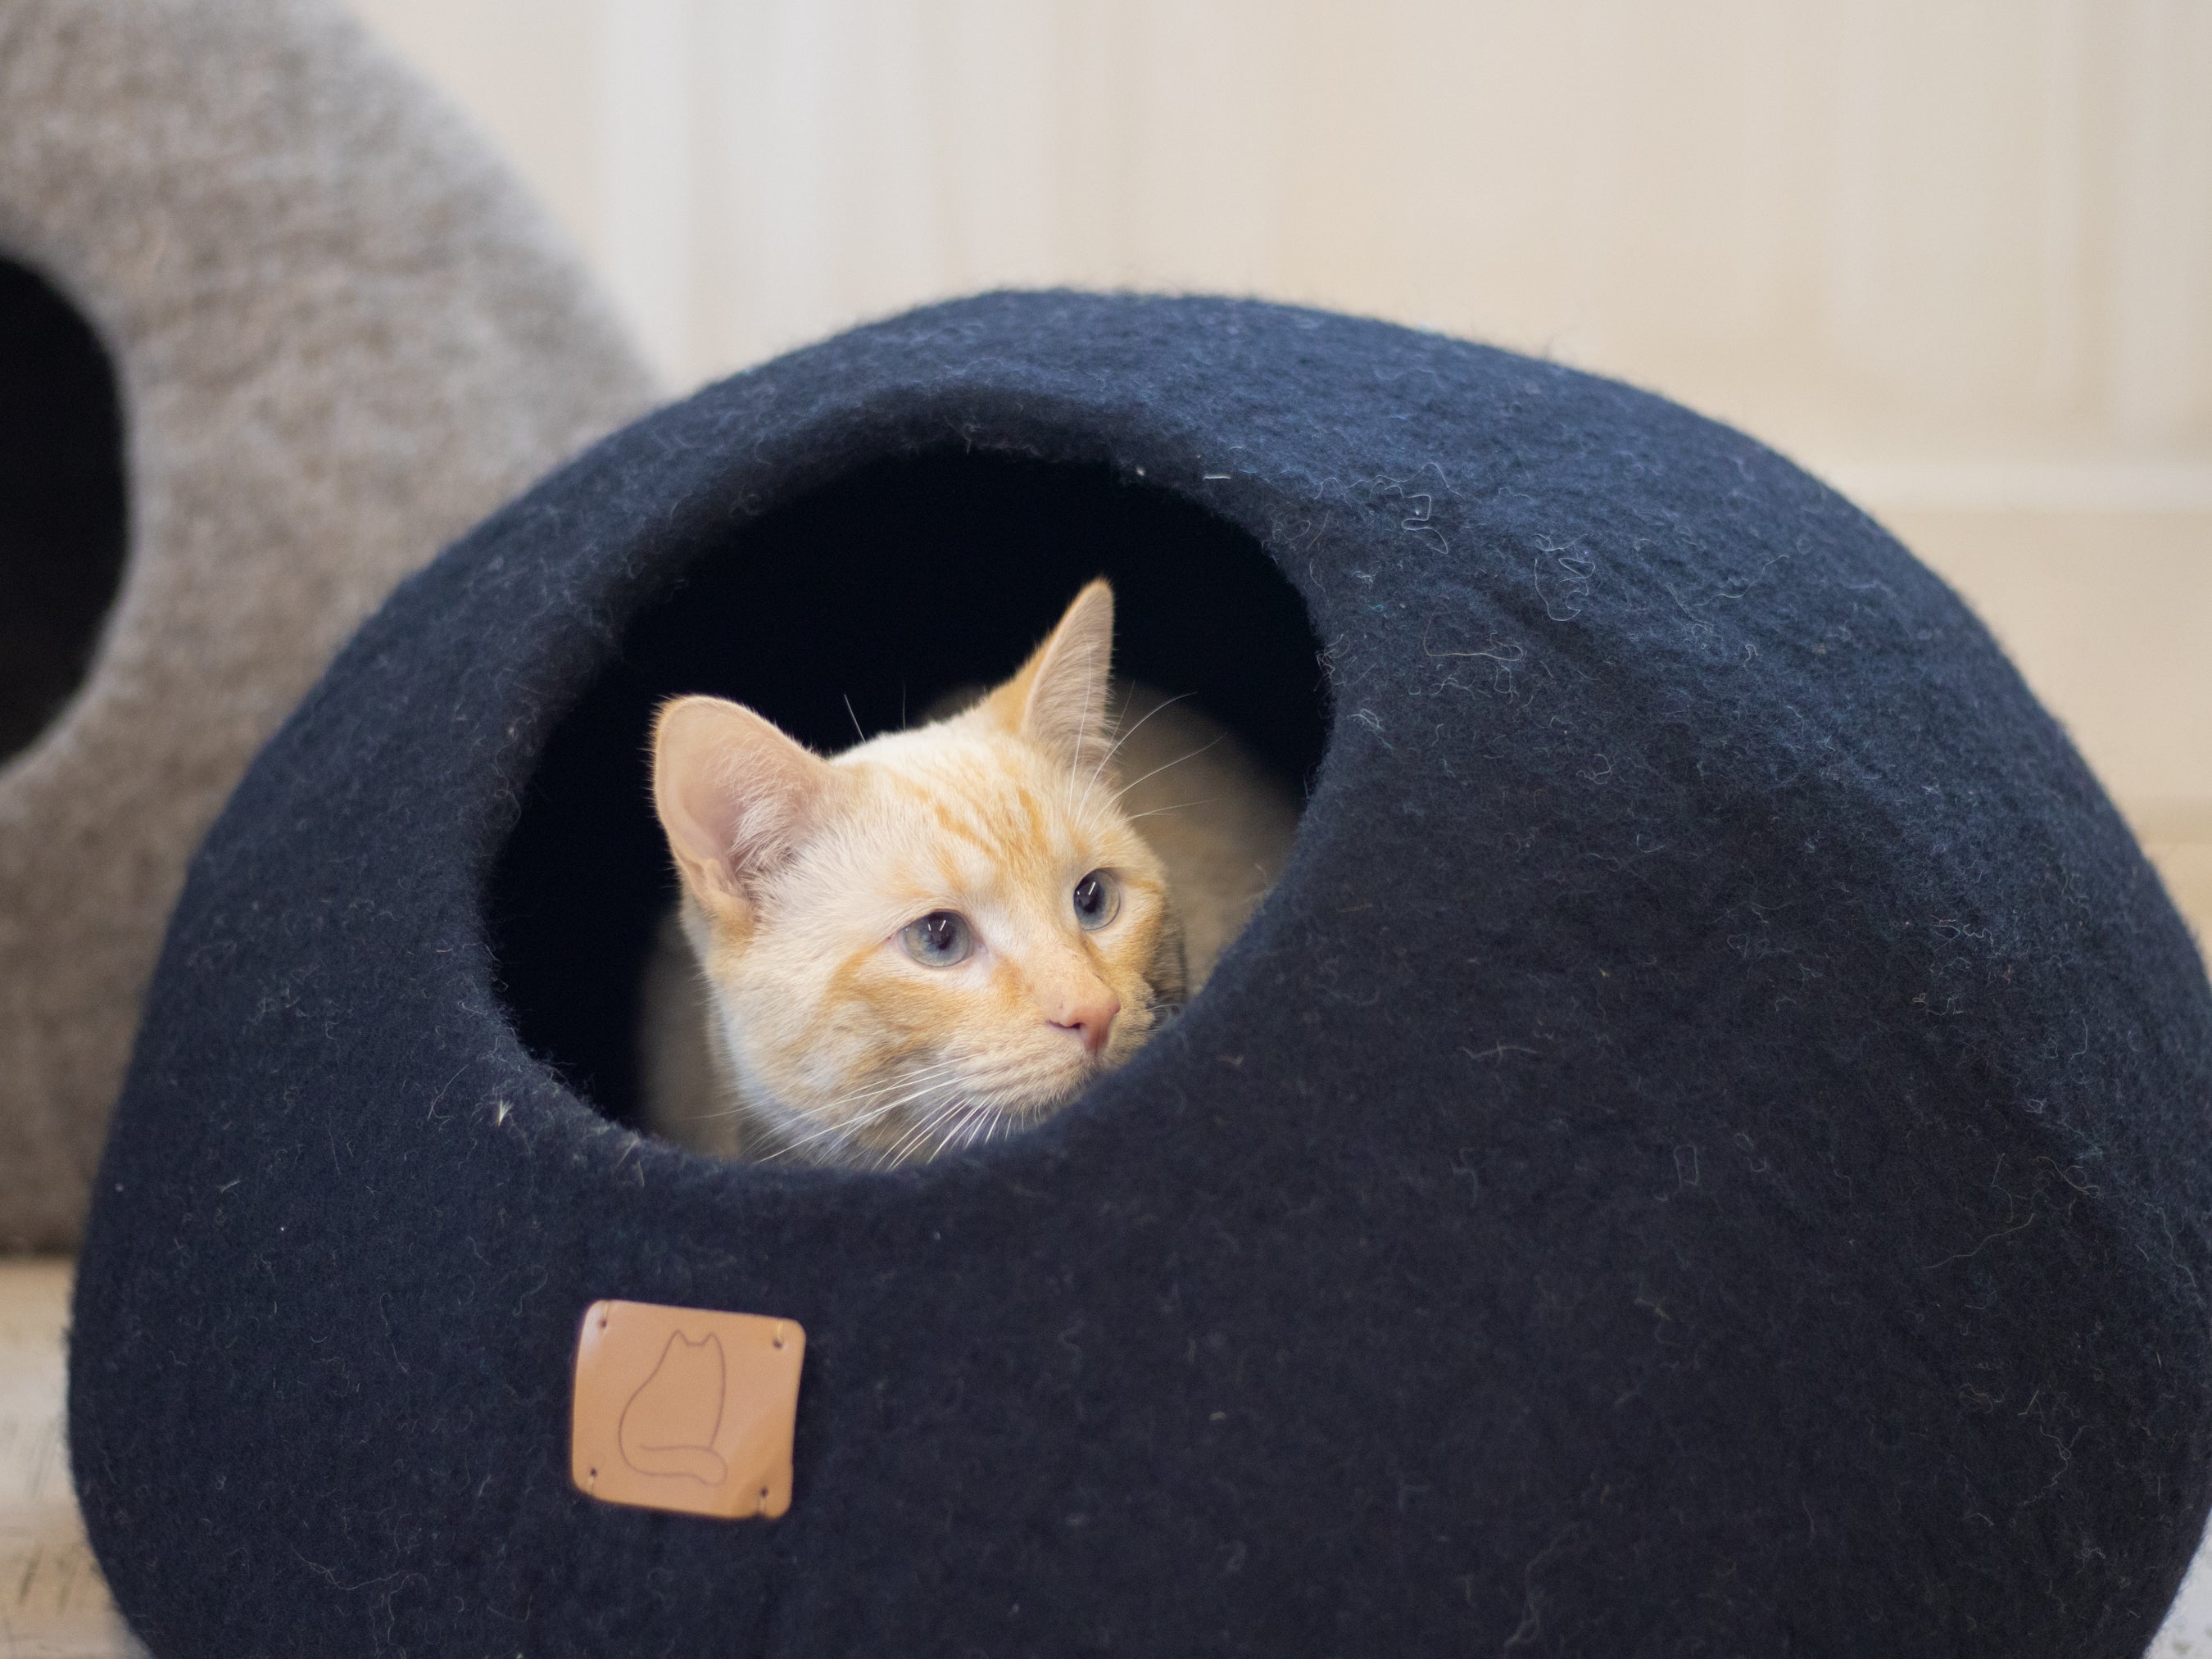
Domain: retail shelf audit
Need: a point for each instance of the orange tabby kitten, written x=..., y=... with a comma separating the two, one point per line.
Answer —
x=940, y=934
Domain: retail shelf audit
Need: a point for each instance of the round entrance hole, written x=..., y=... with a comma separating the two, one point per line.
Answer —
x=61, y=502
x=860, y=603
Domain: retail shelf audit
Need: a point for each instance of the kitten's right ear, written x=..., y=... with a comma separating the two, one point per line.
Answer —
x=736, y=797
x=1058, y=700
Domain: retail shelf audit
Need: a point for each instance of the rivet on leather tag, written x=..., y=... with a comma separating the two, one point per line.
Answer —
x=685, y=1408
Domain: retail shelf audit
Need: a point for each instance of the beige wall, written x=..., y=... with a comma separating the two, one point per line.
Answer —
x=1955, y=254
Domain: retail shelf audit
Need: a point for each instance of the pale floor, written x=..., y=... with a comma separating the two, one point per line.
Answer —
x=52, y=1603
x=53, y=1606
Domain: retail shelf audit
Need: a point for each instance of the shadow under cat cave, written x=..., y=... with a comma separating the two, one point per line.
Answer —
x=888, y=586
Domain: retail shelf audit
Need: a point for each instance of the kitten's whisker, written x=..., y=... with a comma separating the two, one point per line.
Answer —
x=1131, y=817
x=884, y=1107
x=856, y=719
x=928, y=1079
x=904, y=1080
x=910, y=1087
x=1156, y=770
x=929, y=1076
x=857, y=1094
x=916, y=1132
x=946, y=1125
x=961, y=1127
x=843, y=1128
x=892, y=1158
x=844, y=1132
x=947, y=1130
x=1124, y=738
x=979, y=1123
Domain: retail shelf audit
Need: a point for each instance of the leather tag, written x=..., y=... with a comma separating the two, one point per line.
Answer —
x=685, y=1408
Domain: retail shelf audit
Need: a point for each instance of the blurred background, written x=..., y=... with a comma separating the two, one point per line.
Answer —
x=1953, y=255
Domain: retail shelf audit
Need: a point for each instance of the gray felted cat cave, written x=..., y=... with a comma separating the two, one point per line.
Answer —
x=272, y=328
x=1704, y=1151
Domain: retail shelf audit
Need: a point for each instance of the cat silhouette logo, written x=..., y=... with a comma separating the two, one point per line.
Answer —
x=685, y=1408
x=669, y=1425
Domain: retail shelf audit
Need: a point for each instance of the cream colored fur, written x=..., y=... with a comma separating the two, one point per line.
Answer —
x=783, y=1016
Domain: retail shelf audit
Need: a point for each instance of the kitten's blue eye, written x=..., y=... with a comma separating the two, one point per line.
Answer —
x=1097, y=899
x=939, y=939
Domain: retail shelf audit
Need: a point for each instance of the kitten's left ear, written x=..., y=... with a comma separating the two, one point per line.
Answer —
x=1057, y=701
x=735, y=795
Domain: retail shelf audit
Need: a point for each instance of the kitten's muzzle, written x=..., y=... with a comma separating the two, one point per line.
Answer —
x=1090, y=1016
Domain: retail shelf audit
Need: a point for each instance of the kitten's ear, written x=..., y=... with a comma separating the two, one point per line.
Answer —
x=1057, y=701
x=736, y=797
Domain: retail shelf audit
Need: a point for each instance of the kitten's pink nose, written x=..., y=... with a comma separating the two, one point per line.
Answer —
x=1089, y=1014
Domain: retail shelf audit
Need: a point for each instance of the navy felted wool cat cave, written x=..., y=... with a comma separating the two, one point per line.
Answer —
x=1703, y=1152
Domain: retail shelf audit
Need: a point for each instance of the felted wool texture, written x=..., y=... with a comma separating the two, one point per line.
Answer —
x=340, y=334
x=1703, y=1152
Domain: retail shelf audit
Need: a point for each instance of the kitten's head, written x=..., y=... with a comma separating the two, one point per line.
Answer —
x=936, y=936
